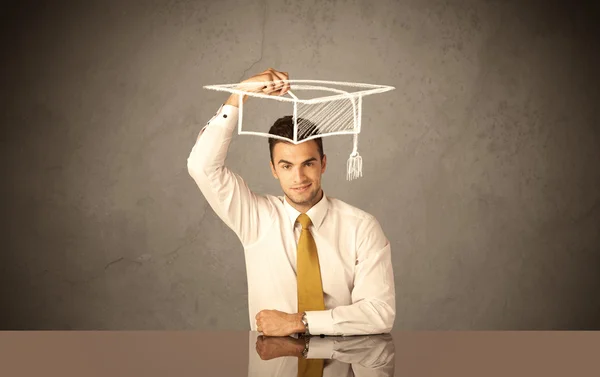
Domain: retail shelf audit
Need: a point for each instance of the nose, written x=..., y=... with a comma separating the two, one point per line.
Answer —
x=299, y=175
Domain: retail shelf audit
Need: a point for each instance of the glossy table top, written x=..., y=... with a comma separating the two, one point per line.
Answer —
x=194, y=353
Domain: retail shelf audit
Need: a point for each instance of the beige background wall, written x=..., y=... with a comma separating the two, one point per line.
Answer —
x=482, y=166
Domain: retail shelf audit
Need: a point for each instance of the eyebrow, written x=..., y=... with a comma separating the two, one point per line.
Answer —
x=304, y=162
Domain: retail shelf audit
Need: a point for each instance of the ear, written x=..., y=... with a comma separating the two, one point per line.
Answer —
x=273, y=170
x=324, y=164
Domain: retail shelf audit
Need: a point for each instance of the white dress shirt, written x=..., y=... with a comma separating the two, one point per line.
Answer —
x=354, y=253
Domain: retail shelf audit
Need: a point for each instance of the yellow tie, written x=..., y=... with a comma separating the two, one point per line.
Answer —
x=310, y=367
x=310, y=289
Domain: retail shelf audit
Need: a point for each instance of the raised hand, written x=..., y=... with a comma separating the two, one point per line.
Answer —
x=277, y=85
x=269, y=82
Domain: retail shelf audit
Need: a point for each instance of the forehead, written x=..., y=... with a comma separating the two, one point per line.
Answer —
x=295, y=152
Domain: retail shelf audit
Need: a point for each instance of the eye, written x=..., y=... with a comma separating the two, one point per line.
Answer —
x=285, y=167
x=309, y=164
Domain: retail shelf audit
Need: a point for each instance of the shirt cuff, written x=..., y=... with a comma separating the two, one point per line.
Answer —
x=320, y=322
x=226, y=116
x=320, y=348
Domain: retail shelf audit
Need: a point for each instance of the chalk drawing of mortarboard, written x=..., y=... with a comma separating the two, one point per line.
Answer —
x=319, y=109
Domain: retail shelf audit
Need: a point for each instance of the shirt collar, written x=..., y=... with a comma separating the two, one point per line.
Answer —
x=316, y=212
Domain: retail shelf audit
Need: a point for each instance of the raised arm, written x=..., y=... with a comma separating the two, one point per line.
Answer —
x=226, y=192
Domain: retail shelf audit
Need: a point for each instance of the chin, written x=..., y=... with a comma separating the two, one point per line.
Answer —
x=303, y=198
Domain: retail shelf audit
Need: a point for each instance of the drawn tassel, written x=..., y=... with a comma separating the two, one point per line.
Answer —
x=354, y=164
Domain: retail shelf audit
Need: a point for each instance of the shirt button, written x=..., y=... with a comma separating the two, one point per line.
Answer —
x=224, y=115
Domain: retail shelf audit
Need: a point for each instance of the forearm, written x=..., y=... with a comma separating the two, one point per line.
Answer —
x=234, y=100
x=366, y=317
x=210, y=150
x=373, y=300
x=226, y=192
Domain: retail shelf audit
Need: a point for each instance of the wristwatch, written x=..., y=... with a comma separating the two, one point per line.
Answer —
x=305, y=322
x=305, y=350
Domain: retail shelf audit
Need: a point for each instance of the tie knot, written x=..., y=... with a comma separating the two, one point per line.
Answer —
x=304, y=220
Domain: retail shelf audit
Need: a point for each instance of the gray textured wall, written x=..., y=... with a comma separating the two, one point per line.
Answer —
x=482, y=166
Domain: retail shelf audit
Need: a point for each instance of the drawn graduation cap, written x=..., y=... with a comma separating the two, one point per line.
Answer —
x=335, y=110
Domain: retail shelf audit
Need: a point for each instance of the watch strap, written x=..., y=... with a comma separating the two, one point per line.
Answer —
x=305, y=322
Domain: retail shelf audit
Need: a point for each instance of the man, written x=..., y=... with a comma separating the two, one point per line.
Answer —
x=314, y=264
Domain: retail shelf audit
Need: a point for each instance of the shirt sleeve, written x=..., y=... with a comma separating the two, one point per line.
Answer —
x=373, y=308
x=226, y=192
x=320, y=348
x=370, y=354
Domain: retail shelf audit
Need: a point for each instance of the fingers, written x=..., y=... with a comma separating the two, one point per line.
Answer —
x=282, y=85
x=275, y=82
x=272, y=86
x=269, y=82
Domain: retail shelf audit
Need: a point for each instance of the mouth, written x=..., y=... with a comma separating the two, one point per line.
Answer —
x=301, y=188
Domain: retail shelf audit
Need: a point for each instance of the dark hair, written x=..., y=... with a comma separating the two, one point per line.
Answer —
x=285, y=127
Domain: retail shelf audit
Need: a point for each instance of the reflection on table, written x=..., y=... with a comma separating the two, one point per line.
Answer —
x=364, y=356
